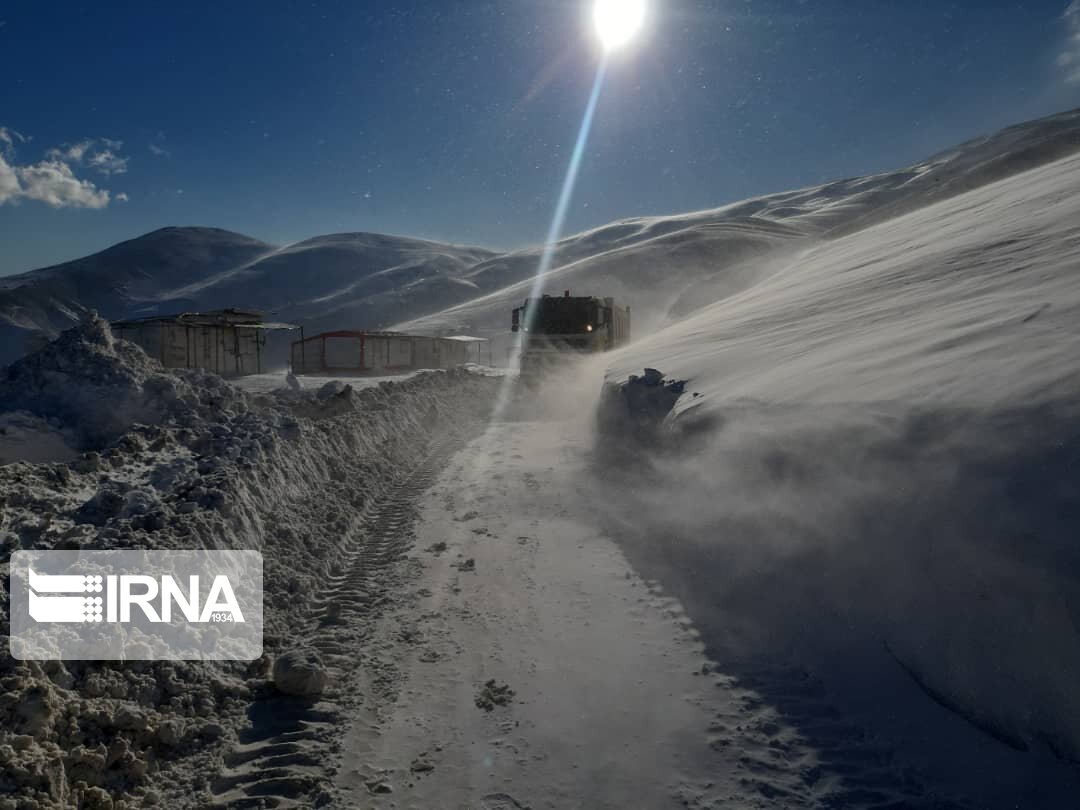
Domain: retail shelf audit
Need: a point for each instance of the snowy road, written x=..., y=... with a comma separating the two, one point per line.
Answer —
x=609, y=705
x=612, y=703
x=488, y=646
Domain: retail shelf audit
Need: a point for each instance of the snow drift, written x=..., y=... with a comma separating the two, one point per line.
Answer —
x=878, y=470
x=187, y=461
x=95, y=388
x=667, y=267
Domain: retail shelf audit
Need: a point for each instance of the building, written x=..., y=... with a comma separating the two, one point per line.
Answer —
x=478, y=349
x=358, y=352
x=228, y=342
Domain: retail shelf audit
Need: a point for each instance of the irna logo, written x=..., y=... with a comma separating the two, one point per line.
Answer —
x=110, y=598
x=136, y=605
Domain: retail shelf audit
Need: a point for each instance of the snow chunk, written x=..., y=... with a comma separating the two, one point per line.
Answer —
x=300, y=673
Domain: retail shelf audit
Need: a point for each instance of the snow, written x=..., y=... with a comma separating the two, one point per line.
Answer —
x=26, y=437
x=969, y=301
x=173, y=461
x=603, y=669
x=277, y=381
x=671, y=265
x=370, y=281
x=876, y=478
x=844, y=574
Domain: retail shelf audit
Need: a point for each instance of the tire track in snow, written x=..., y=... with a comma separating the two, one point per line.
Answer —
x=287, y=756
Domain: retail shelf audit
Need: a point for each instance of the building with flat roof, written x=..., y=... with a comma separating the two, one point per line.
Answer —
x=355, y=352
x=229, y=342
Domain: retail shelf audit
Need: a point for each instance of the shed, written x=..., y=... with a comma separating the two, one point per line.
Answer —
x=228, y=342
x=363, y=352
x=472, y=343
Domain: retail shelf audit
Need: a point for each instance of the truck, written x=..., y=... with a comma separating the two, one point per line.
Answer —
x=555, y=329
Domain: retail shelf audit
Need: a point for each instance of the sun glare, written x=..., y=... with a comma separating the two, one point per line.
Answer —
x=617, y=21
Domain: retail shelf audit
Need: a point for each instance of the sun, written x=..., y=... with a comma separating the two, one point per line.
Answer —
x=617, y=21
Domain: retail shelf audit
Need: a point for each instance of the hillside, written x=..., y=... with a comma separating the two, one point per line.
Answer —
x=118, y=281
x=841, y=571
x=665, y=267
x=342, y=279
x=878, y=477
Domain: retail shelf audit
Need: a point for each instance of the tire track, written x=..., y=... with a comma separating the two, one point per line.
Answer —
x=287, y=756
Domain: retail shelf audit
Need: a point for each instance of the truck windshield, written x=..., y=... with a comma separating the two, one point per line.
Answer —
x=561, y=316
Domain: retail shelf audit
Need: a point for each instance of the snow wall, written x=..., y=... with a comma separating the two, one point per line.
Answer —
x=184, y=460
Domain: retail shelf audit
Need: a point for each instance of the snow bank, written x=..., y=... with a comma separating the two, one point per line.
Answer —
x=883, y=462
x=25, y=437
x=187, y=461
x=95, y=388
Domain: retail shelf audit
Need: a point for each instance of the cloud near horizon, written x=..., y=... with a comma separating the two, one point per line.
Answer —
x=52, y=181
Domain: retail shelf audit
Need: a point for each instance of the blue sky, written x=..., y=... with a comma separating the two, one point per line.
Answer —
x=453, y=120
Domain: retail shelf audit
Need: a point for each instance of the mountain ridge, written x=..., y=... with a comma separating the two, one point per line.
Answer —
x=664, y=265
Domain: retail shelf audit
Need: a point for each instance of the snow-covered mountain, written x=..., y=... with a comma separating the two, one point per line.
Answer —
x=345, y=280
x=669, y=266
x=866, y=505
x=663, y=266
x=117, y=281
x=881, y=461
x=878, y=473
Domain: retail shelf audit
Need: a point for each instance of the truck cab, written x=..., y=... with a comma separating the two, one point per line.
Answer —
x=554, y=327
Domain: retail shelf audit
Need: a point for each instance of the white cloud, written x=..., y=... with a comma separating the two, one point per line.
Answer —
x=9, y=182
x=99, y=154
x=122, y=197
x=107, y=162
x=1069, y=59
x=54, y=183
x=52, y=180
x=8, y=139
x=68, y=152
x=157, y=145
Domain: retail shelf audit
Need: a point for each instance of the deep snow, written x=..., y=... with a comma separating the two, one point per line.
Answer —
x=877, y=475
x=878, y=462
x=667, y=267
x=868, y=511
x=187, y=461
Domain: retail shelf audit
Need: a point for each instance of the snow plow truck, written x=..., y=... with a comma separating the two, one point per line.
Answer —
x=556, y=329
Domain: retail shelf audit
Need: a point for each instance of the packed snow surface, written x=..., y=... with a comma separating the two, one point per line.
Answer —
x=877, y=470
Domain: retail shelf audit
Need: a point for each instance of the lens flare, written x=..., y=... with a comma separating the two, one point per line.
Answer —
x=617, y=21
x=558, y=220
